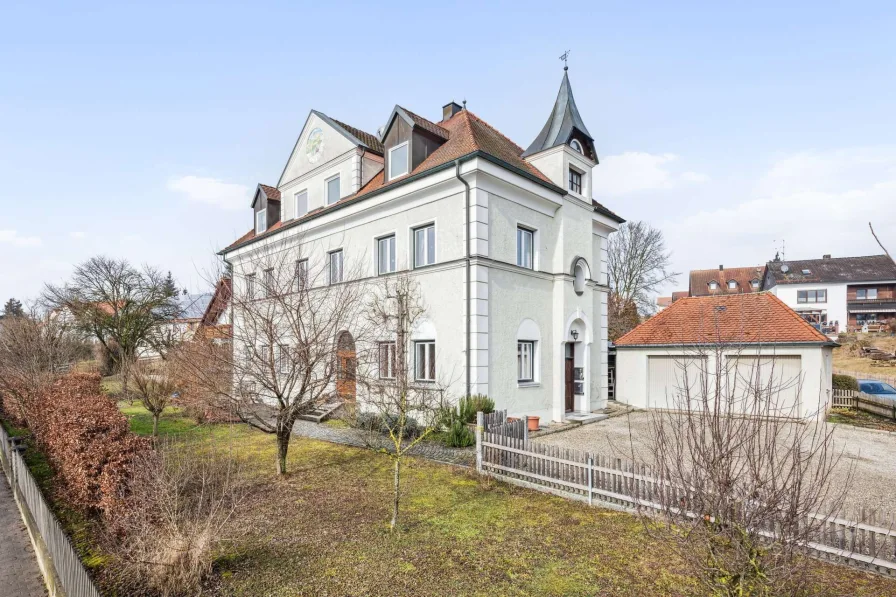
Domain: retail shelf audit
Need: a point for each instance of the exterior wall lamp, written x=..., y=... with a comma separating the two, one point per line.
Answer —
x=575, y=335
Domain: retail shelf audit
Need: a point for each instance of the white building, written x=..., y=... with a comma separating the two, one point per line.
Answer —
x=508, y=245
x=760, y=342
x=851, y=291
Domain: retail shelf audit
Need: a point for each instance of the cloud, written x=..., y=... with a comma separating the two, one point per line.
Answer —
x=637, y=171
x=12, y=237
x=817, y=202
x=212, y=191
x=77, y=235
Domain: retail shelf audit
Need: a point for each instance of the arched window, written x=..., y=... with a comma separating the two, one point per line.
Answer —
x=581, y=273
x=576, y=146
x=528, y=349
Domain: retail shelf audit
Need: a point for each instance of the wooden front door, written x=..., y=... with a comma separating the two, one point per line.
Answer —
x=570, y=382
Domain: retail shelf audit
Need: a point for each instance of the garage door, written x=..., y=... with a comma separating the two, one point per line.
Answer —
x=672, y=379
x=765, y=384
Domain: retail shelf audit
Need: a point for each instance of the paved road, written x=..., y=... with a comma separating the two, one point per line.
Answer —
x=19, y=574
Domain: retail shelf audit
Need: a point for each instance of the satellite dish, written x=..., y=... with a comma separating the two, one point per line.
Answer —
x=785, y=268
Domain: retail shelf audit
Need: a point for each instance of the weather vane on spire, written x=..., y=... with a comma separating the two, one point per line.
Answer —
x=564, y=57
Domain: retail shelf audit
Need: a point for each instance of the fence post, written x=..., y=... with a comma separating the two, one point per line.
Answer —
x=590, y=478
x=480, y=422
x=526, y=428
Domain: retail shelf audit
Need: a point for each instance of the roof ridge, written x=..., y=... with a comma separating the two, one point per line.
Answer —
x=427, y=121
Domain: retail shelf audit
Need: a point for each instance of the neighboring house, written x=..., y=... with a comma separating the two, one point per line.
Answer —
x=215, y=321
x=519, y=311
x=851, y=291
x=756, y=334
x=662, y=302
x=722, y=281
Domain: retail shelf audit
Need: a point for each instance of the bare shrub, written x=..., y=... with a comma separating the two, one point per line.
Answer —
x=154, y=383
x=744, y=485
x=182, y=498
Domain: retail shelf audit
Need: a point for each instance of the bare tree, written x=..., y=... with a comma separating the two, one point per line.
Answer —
x=35, y=350
x=280, y=358
x=880, y=244
x=744, y=487
x=155, y=383
x=124, y=308
x=403, y=397
x=638, y=265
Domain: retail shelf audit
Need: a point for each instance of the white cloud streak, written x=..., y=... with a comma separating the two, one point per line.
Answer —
x=637, y=171
x=212, y=191
x=13, y=238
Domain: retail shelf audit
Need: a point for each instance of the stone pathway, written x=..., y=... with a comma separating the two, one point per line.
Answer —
x=19, y=574
x=356, y=437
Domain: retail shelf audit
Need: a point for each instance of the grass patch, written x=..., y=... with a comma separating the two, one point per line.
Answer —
x=858, y=418
x=111, y=385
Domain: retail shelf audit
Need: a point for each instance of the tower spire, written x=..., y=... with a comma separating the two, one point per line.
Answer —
x=564, y=56
x=564, y=122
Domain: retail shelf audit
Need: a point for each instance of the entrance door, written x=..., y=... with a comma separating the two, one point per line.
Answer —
x=570, y=372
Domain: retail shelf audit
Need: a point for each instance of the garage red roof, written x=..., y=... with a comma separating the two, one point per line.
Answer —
x=751, y=318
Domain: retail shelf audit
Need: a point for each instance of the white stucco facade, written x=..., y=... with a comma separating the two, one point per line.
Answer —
x=834, y=306
x=804, y=371
x=558, y=304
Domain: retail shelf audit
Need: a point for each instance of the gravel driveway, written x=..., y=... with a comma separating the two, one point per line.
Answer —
x=872, y=453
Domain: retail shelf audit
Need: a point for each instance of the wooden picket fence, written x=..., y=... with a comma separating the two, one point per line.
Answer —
x=866, y=540
x=59, y=561
x=864, y=402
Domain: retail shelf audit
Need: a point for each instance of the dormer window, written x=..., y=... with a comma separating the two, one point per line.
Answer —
x=575, y=181
x=732, y=284
x=576, y=146
x=399, y=162
x=333, y=190
x=261, y=221
x=713, y=285
x=754, y=284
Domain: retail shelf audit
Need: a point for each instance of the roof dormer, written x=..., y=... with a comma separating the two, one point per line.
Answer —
x=408, y=140
x=265, y=208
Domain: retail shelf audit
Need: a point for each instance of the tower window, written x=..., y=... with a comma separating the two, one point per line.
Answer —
x=575, y=181
x=576, y=146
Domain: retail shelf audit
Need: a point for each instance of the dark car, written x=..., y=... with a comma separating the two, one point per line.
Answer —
x=877, y=388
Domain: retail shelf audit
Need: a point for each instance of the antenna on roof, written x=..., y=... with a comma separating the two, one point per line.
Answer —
x=465, y=103
x=564, y=57
x=779, y=251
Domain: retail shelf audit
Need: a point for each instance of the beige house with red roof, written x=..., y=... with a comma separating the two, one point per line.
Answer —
x=740, y=342
x=508, y=245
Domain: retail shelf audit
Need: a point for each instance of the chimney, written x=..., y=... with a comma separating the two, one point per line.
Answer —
x=826, y=257
x=721, y=267
x=449, y=110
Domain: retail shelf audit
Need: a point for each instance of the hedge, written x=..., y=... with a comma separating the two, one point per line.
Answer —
x=844, y=382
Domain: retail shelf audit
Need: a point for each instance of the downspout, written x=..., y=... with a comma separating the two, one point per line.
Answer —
x=467, y=268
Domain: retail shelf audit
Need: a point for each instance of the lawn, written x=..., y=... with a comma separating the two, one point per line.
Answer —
x=860, y=419
x=323, y=530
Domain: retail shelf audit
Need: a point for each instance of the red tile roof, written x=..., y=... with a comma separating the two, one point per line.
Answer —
x=737, y=318
x=700, y=279
x=370, y=140
x=428, y=125
x=467, y=133
x=271, y=192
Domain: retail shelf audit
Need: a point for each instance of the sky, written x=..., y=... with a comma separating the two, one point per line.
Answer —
x=139, y=130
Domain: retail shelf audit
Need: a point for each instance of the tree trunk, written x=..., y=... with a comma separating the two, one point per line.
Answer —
x=282, y=449
x=155, y=425
x=397, y=484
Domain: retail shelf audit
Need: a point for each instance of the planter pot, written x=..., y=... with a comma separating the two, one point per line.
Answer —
x=533, y=423
x=512, y=419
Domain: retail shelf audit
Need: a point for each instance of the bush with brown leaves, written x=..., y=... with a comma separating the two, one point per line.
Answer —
x=88, y=442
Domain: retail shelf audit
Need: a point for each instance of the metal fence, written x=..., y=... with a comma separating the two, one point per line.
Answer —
x=63, y=558
x=868, y=541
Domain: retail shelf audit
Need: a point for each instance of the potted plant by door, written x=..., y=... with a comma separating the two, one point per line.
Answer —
x=533, y=423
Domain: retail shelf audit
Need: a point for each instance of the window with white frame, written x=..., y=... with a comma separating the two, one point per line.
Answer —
x=333, y=190
x=732, y=284
x=425, y=245
x=247, y=354
x=336, y=266
x=265, y=352
x=269, y=283
x=261, y=221
x=713, y=285
x=386, y=360
x=754, y=284
x=250, y=286
x=525, y=361
x=575, y=181
x=301, y=200
x=812, y=296
x=283, y=358
x=425, y=360
x=301, y=274
x=399, y=164
x=525, y=250
x=385, y=255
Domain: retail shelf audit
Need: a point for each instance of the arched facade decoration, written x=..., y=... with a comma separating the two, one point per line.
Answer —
x=346, y=366
x=581, y=273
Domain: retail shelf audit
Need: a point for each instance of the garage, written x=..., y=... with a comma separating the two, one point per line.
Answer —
x=762, y=355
